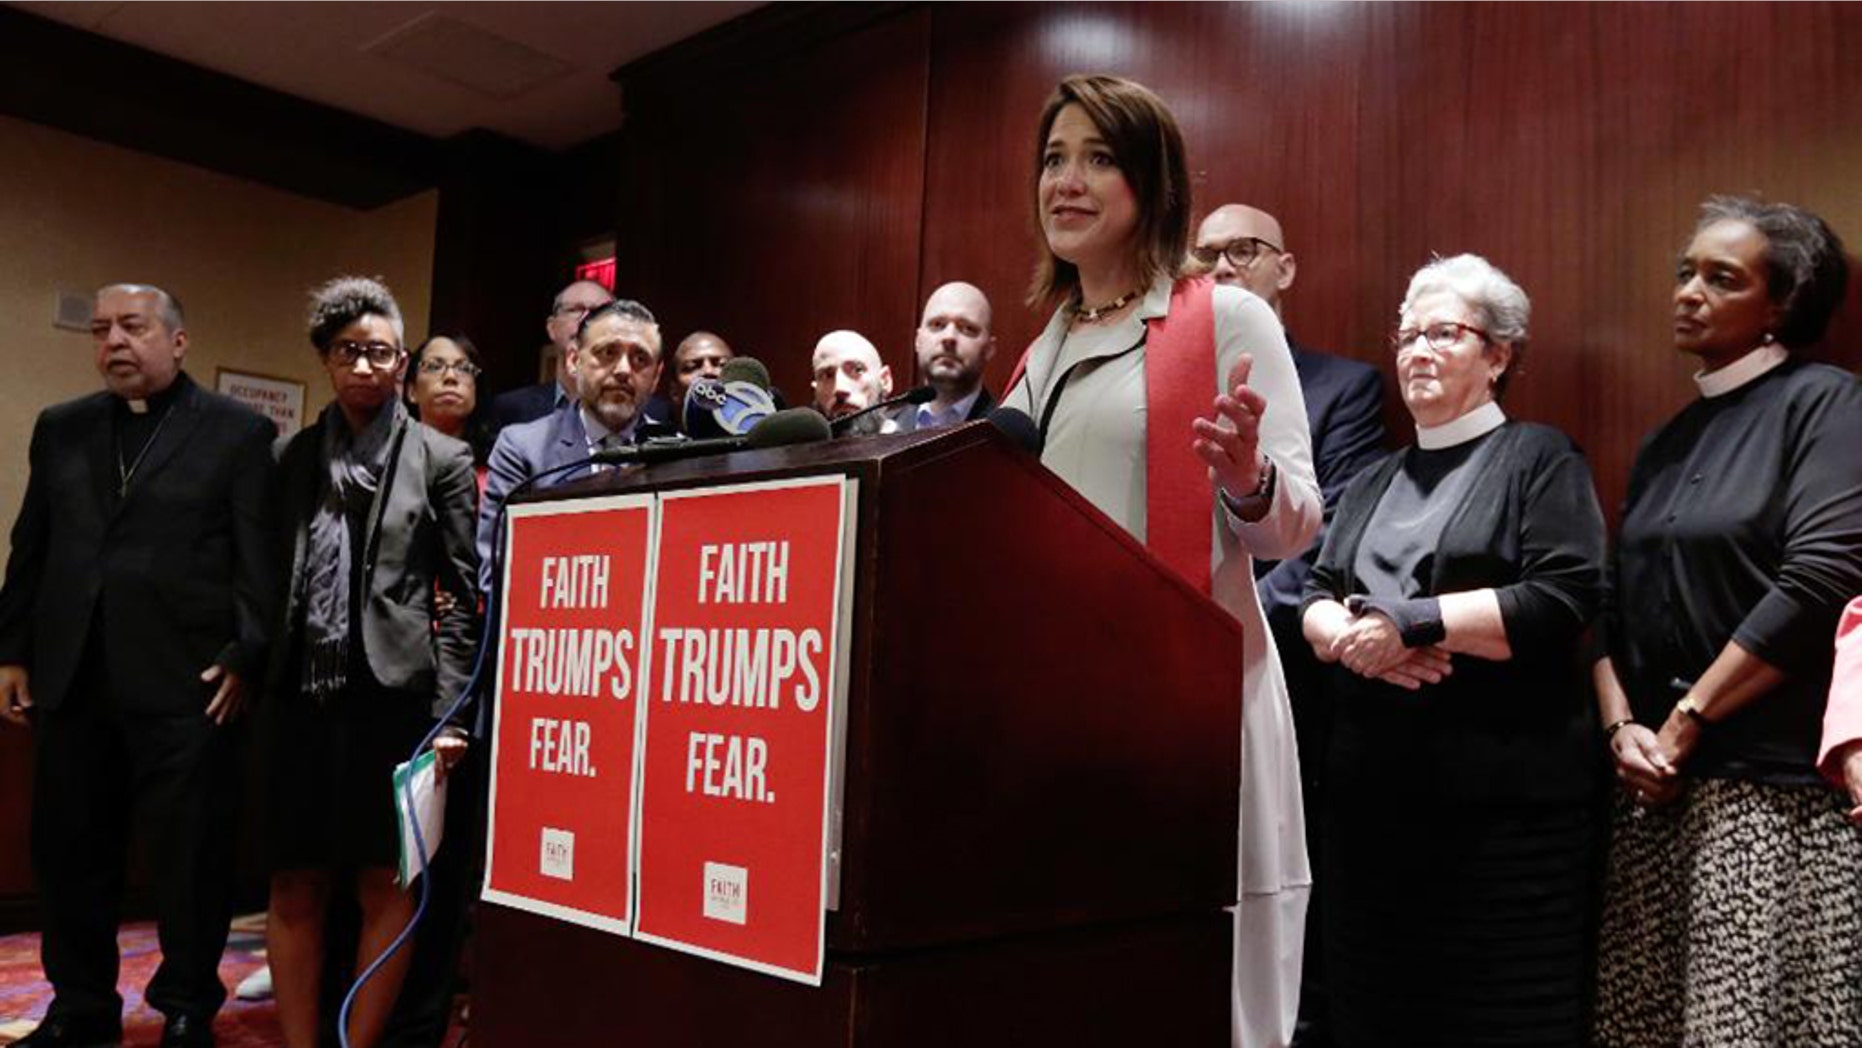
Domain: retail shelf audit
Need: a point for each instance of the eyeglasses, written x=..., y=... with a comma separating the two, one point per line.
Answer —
x=570, y=309
x=379, y=354
x=1241, y=252
x=462, y=368
x=1441, y=335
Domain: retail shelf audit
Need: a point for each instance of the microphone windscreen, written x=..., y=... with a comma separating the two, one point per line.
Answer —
x=719, y=408
x=745, y=369
x=1019, y=428
x=789, y=426
x=698, y=415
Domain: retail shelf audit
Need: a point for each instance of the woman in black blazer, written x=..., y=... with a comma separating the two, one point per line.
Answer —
x=378, y=515
x=1450, y=595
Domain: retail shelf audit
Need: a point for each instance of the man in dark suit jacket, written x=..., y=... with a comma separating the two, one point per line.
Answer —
x=954, y=345
x=530, y=403
x=616, y=355
x=132, y=629
x=1244, y=246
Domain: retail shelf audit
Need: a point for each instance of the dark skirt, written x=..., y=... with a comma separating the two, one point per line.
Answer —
x=1461, y=924
x=331, y=769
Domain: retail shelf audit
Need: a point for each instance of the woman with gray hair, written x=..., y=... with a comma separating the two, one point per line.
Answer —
x=1733, y=904
x=1453, y=587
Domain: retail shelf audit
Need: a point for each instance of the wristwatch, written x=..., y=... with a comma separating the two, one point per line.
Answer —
x=1689, y=706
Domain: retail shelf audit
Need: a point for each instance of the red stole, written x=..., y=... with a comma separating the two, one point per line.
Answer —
x=1179, y=366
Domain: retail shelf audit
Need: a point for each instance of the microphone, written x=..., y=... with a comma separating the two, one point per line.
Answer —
x=915, y=395
x=789, y=426
x=751, y=370
x=746, y=369
x=1018, y=427
x=731, y=404
x=780, y=429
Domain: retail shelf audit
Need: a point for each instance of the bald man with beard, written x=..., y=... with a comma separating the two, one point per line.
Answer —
x=849, y=377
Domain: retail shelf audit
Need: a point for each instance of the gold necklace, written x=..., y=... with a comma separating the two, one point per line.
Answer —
x=1094, y=316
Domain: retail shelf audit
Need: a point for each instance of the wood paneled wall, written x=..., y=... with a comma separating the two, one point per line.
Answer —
x=781, y=184
x=779, y=199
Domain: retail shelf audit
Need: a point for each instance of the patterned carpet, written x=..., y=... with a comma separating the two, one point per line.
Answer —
x=24, y=993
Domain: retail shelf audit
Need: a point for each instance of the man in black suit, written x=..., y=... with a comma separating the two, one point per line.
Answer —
x=530, y=403
x=953, y=345
x=132, y=630
x=571, y=304
x=1244, y=246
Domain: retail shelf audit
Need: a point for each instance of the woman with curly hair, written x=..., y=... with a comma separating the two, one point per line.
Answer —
x=377, y=516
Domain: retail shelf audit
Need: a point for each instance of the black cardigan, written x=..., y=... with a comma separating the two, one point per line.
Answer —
x=1519, y=730
x=1744, y=523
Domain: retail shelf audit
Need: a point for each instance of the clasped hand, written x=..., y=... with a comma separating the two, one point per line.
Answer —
x=1646, y=766
x=1371, y=647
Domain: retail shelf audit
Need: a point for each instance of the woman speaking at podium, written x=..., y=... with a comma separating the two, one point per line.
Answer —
x=1173, y=406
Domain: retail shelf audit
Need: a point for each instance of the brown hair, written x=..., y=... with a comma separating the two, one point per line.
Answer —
x=1148, y=148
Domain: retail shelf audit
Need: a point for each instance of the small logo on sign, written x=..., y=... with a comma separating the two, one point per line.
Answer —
x=727, y=892
x=558, y=854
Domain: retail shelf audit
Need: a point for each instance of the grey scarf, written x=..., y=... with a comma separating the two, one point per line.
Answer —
x=355, y=466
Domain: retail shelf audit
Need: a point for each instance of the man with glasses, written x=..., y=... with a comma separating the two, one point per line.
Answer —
x=133, y=627
x=1244, y=247
x=616, y=358
x=566, y=312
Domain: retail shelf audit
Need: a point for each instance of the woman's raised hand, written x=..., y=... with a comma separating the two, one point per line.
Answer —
x=1230, y=440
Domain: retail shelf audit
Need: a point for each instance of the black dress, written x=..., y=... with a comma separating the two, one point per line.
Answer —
x=1460, y=840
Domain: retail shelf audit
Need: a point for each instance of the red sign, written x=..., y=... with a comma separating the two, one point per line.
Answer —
x=740, y=707
x=600, y=271
x=570, y=663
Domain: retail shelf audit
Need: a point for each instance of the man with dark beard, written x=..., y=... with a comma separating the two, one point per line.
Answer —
x=616, y=360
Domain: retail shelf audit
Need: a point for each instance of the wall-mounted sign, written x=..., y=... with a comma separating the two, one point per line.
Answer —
x=278, y=399
x=601, y=271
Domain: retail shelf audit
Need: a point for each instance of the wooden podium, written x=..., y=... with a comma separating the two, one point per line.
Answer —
x=1040, y=789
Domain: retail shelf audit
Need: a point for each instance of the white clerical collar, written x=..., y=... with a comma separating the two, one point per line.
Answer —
x=1741, y=371
x=1477, y=423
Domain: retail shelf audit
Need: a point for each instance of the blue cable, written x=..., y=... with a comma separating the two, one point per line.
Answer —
x=426, y=741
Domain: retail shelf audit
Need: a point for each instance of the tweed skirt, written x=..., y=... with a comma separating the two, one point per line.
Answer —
x=1732, y=918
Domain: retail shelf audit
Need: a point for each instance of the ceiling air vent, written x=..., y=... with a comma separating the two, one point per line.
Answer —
x=464, y=54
